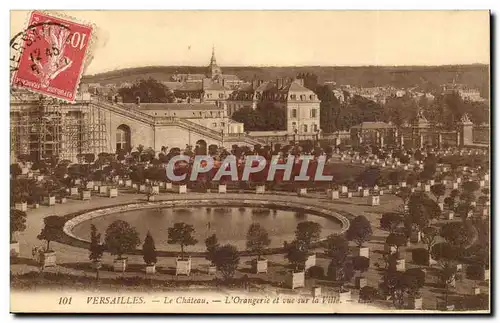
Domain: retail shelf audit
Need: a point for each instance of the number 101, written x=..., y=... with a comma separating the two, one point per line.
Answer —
x=65, y=300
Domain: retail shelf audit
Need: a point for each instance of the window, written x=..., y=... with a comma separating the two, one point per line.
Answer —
x=305, y=128
x=293, y=97
x=294, y=113
x=221, y=95
x=315, y=127
x=214, y=124
x=311, y=97
x=313, y=113
x=222, y=124
x=302, y=97
x=294, y=125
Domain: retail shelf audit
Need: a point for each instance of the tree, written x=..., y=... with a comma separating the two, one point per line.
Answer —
x=396, y=239
x=337, y=249
x=96, y=249
x=404, y=193
x=361, y=264
x=359, y=231
x=296, y=253
x=121, y=238
x=368, y=294
x=390, y=221
x=470, y=187
x=257, y=239
x=438, y=190
x=149, y=250
x=52, y=230
x=212, y=245
x=148, y=91
x=227, y=260
x=307, y=232
x=17, y=222
x=181, y=234
x=419, y=276
x=458, y=234
x=429, y=237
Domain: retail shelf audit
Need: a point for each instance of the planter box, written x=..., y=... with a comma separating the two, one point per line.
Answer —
x=151, y=269
x=363, y=252
x=89, y=185
x=400, y=265
x=113, y=192
x=222, y=188
x=344, y=296
x=302, y=191
x=180, y=189
x=212, y=270
x=49, y=259
x=416, y=303
x=344, y=189
x=310, y=261
x=374, y=200
x=103, y=189
x=183, y=267
x=380, y=193
x=73, y=191
x=96, y=188
x=427, y=188
x=349, y=194
x=432, y=182
x=486, y=274
x=21, y=206
x=334, y=195
x=85, y=195
x=415, y=237
x=365, y=193
x=476, y=291
x=142, y=188
x=50, y=200
x=316, y=291
x=36, y=206
x=260, y=189
x=14, y=249
x=259, y=266
x=454, y=185
x=450, y=215
x=128, y=183
x=441, y=206
x=296, y=280
x=63, y=200
x=120, y=265
x=361, y=282
x=121, y=182
x=168, y=185
x=154, y=189
x=151, y=198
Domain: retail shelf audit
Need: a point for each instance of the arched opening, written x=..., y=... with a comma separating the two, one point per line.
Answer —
x=201, y=147
x=122, y=138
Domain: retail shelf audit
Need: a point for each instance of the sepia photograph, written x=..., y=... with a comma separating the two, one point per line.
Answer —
x=275, y=162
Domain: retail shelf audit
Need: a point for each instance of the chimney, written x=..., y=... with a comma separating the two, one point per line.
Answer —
x=223, y=82
x=260, y=82
x=138, y=100
x=278, y=83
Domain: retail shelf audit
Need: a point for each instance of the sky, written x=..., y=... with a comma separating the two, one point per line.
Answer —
x=126, y=39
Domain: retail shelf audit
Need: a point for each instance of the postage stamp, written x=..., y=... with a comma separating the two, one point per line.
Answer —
x=52, y=56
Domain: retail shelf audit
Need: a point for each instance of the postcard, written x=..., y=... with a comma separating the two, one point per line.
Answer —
x=250, y=162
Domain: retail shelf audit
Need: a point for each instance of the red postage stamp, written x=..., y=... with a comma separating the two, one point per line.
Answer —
x=52, y=56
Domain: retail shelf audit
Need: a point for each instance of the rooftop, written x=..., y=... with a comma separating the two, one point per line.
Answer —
x=173, y=106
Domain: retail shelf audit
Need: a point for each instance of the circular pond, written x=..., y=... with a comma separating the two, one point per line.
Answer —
x=230, y=224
